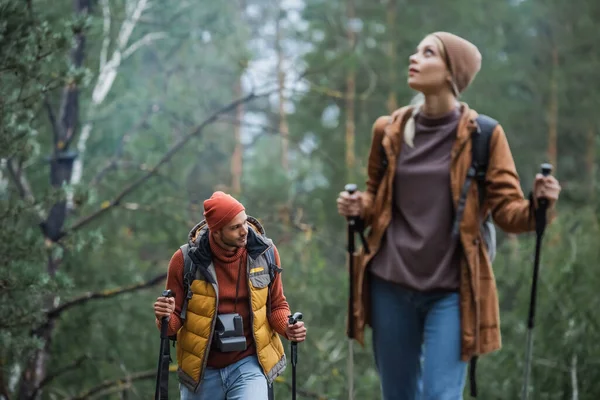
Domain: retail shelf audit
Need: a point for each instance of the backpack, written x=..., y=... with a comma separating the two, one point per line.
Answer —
x=480, y=155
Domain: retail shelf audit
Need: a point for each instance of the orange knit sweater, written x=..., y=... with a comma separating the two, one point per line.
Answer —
x=227, y=265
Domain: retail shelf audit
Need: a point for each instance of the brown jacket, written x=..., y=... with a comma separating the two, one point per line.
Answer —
x=480, y=322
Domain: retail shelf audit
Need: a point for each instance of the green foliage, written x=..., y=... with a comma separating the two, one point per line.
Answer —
x=169, y=86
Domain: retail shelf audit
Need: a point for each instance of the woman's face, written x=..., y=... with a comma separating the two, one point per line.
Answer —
x=427, y=70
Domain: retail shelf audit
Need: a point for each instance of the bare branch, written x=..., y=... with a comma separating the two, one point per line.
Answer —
x=112, y=163
x=55, y=312
x=106, y=32
x=124, y=382
x=129, y=24
x=146, y=40
x=23, y=186
x=20, y=181
x=48, y=379
x=172, y=151
x=574, y=384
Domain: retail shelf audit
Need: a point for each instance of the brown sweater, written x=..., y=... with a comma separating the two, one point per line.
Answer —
x=418, y=250
x=227, y=264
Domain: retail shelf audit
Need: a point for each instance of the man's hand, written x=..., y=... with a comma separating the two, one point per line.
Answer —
x=296, y=332
x=164, y=307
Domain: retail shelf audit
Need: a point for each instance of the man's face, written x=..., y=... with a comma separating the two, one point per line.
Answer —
x=235, y=233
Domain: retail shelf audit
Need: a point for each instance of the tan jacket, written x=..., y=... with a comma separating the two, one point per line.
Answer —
x=480, y=322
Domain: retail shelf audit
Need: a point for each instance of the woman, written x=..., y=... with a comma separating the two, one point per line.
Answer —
x=430, y=296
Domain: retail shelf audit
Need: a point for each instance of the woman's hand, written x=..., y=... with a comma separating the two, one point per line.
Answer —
x=350, y=205
x=546, y=187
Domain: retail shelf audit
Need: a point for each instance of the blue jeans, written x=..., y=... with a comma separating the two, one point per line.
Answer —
x=416, y=342
x=243, y=380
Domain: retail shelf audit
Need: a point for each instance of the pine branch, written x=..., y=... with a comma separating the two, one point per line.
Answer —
x=55, y=312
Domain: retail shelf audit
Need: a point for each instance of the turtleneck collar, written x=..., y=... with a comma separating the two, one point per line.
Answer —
x=225, y=256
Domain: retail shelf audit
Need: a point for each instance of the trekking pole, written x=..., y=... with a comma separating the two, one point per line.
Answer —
x=164, y=357
x=540, y=226
x=292, y=319
x=351, y=188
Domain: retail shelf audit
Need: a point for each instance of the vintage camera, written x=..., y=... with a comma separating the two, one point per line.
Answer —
x=229, y=333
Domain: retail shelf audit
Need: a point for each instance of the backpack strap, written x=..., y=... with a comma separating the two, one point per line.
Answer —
x=480, y=156
x=189, y=274
x=480, y=149
x=273, y=271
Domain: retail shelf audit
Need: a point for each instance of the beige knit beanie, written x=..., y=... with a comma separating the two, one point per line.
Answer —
x=463, y=59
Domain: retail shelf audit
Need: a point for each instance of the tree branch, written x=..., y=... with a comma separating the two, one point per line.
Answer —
x=124, y=382
x=112, y=163
x=48, y=379
x=106, y=32
x=20, y=181
x=128, y=25
x=172, y=151
x=55, y=312
x=575, y=386
x=23, y=187
x=146, y=40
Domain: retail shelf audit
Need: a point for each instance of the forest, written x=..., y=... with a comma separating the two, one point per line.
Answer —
x=118, y=118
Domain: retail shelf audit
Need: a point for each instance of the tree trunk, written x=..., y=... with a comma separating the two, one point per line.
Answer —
x=350, y=93
x=283, y=125
x=61, y=168
x=391, y=18
x=237, y=157
x=238, y=152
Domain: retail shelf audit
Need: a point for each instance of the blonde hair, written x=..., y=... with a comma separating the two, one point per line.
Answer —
x=419, y=99
x=409, y=127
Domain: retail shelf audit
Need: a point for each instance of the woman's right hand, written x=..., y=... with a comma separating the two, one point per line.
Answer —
x=350, y=205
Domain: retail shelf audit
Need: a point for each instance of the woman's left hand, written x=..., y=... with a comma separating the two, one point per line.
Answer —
x=546, y=187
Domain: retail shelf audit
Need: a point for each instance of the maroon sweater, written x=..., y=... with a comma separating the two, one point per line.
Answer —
x=418, y=250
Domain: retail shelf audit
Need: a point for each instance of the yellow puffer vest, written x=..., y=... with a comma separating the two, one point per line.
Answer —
x=199, y=314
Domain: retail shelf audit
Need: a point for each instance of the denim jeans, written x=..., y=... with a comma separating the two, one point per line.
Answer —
x=243, y=380
x=416, y=342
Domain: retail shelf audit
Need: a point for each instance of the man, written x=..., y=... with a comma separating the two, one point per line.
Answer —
x=232, y=274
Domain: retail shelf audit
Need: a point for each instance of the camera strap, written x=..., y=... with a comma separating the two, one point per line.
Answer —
x=237, y=285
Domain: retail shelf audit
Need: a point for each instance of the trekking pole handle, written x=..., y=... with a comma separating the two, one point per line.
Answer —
x=292, y=319
x=164, y=322
x=351, y=188
x=546, y=170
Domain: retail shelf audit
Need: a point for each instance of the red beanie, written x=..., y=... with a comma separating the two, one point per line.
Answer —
x=220, y=209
